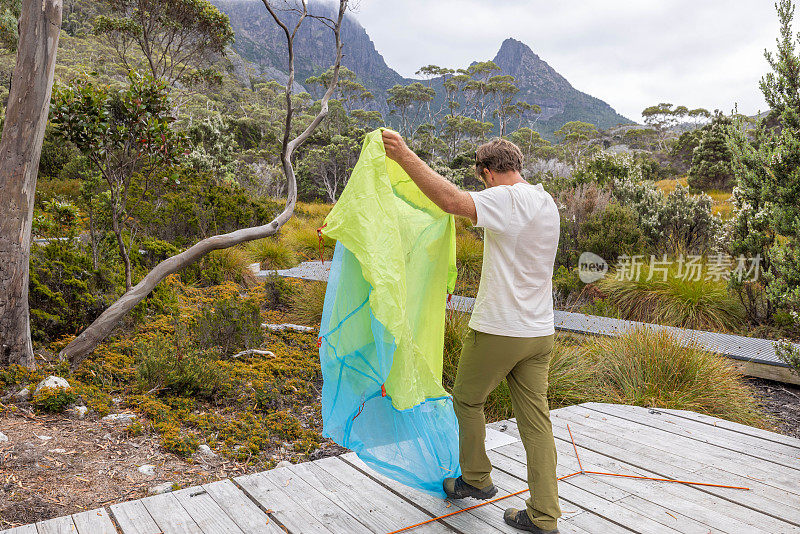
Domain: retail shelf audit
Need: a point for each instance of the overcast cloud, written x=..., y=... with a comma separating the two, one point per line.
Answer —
x=631, y=54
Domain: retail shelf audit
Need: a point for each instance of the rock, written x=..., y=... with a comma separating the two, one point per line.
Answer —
x=3, y=437
x=44, y=438
x=58, y=451
x=52, y=382
x=78, y=412
x=147, y=470
x=120, y=418
x=283, y=463
x=205, y=450
x=161, y=488
x=22, y=395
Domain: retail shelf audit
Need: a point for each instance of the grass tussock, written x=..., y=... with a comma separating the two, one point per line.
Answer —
x=306, y=301
x=700, y=304
x=652, y=368
x=271, y=253
x=469, y=255
x=301, y=236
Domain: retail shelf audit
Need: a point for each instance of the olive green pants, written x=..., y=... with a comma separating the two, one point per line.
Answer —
x=486, y=359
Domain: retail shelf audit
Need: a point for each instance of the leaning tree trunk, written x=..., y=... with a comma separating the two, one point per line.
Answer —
x=20, y=149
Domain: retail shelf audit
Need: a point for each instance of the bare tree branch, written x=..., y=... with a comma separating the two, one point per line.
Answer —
x=80, y=347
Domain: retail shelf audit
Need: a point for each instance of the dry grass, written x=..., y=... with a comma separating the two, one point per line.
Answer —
x=306, y=301
x=668, y=186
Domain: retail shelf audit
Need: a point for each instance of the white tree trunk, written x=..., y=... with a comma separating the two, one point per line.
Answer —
x=20, y=149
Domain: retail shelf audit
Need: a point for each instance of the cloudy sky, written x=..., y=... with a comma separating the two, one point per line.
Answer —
x=631, y=54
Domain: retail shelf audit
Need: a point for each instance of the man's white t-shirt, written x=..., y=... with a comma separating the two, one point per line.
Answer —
x=521, y=230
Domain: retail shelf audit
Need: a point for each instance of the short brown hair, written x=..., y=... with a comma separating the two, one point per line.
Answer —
x=499, y=155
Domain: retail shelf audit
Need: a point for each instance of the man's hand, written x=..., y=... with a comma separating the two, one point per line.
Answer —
x=394, y=144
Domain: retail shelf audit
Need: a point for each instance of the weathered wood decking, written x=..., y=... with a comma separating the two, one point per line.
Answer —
x=341, y=495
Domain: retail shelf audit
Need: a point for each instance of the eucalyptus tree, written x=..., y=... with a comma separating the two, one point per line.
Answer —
x=177, y=39
x=20, y=150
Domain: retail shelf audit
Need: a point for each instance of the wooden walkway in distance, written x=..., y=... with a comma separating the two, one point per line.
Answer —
x=341, y=495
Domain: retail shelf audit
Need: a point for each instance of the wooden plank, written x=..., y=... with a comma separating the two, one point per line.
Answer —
x=59, y=525
x=169, y=515
x=382, y=511
x=731, y=426
x=241, y=509
x=676, y=498
x=745, y=506
x=490, y=513
x=94, y=522
x=778, y=453
x=133, y=518
x=613, y=512
x=477, y=520
x=769, y=473
x=566, y=464
x=205, y=511
x=495, y=438
x=24, y=529
x=295, y=504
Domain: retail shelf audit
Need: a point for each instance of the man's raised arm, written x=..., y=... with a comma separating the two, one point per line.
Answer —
x=439, y=189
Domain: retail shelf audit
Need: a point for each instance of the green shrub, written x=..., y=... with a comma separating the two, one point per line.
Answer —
x=191, y=372
x=227, y=325
x=53, y=399
x=277, y=291
x=788, y=354
x=612, y=232
x=65, y=293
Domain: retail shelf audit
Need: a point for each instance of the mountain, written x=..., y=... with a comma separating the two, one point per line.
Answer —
x=540, y=84
x=261, y=45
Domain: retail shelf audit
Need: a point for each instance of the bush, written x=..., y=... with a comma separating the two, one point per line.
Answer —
x=788, y=354
x=161, y=367
x=53, y=399
x=277, y=292
x=227, y=325
x=65, y=293
x=611, y=233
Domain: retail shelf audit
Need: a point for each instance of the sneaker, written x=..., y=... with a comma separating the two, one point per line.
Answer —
x=456, y=488
x=521, y=520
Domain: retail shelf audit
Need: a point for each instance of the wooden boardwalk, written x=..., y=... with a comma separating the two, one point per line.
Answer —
x=341, y=495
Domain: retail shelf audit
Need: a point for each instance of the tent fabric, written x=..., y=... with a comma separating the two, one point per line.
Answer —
x=382, y=328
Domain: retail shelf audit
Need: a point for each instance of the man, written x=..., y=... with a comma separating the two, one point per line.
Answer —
x=511, y=330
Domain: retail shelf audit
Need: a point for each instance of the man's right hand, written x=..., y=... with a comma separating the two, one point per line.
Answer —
x=394, y=145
